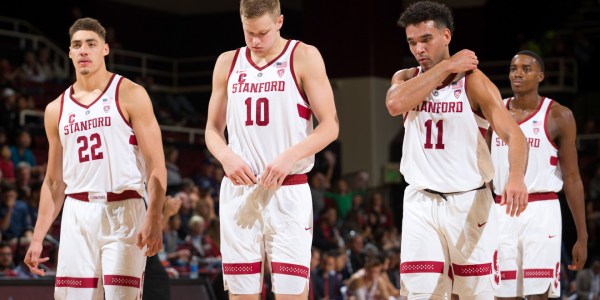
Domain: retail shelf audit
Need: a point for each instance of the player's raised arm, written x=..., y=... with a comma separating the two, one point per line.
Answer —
x=138, y=107
x=488, y=99
x=52, y=194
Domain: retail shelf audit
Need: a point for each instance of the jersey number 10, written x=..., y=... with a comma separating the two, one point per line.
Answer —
x=262, y=111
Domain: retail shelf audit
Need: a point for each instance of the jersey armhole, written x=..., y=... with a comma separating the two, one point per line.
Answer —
x=546, y=122
x=117, y=103
x=302, y=94
x=235, y=56
x=62, y=103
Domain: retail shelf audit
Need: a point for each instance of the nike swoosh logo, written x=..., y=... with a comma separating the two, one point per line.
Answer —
x=307, y=228
x=481, y=224
x=551, y=236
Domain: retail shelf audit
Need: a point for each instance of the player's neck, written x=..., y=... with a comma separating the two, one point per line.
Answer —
x=271, y=54
x=90, y=82
x=529, y=101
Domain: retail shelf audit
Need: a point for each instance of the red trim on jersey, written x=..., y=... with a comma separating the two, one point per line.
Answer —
x=62, y=103
x=289, y=269
x=110, y=197
x=483, y=131
x=122, y=280
x=76, y=282
x=119, y=106
x=447, y=81
x=249, y=57
x=304, y=97
x=422, y=267
x=235, y=56
x=304, y=112
x=479, y=113
x=532, y=114
x=533, y=197
x=416, y=72
x=472, y=270
x=538, y=273
x=99, y=96
x=546, y=122
x=553, y=160
x=242, y=268
x=508, y=275
x=133, y=140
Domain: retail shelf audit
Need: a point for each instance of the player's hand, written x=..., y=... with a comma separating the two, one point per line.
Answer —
x=32, y=258
x=150, y=236
x=463, y=61
x=276, y=171
x=515, y=197
x=579, y=255
x=238, y=171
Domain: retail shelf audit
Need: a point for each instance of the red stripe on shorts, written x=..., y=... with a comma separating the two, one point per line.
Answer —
x=472, y=270
x=538, y=273
x=422, y=267
x=76, y=282
x=289, y=269
x=122, y=280
x=242, y=269
x=508, y=275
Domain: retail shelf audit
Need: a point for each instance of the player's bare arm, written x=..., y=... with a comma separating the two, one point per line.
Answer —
x=485, y=96
x=563, y=130
x=137, y=108
x=405, y=93
x=312, y=76
x=52, y=193
x=235, y=168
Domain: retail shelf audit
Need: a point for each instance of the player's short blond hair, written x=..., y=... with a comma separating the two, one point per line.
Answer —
x=255, y=8
x=87, y=24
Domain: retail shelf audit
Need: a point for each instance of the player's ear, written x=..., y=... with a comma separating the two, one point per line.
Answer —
x=447, y=36
x=106, y=49
x=279, y=22
x=541, y=77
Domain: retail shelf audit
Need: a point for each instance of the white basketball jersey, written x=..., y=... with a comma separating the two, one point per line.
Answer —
x=100, y=152
x=267, y=113
x=543, y=171
x=444, y=145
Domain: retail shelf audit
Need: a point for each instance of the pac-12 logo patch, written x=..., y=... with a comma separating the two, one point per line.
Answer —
x=106, y=108
x=280, y=72
x=457, y=93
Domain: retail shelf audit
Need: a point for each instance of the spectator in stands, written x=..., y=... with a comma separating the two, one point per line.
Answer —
x=368, y=284
x=46, y=66
x=6, y=261
x=328, y=283
x=34, y=201
x=587, y=281
x=185, y=212
x=3, y=137
x=378, y=205
x=355, y=253
x=185, y=112
x=31, y=70
x=173, y=173
x=172, y=243
x=21, y=151
x=326, y=234
x=199, y=243
x=356, y=217
x=318, y=186
x=315, y=259
x=8, y=74
x=204, y=208
x=342, y=196
x=24, y=181
x=15, y=221
x=9, y=117
x=6, y=164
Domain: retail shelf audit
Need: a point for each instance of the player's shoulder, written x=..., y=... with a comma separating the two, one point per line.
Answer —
x=560, y=112
x=226, y=58
x=305, y=51
x=129, y=88
x=54, y=108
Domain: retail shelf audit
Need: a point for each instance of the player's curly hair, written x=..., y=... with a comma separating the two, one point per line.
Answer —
x=427, y=10
x=87, y=24
x=255, y=8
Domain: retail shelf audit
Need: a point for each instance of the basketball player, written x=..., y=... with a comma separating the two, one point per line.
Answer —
x=104, y=144
x=265, y=94
x=529, y=250
x=448, y=219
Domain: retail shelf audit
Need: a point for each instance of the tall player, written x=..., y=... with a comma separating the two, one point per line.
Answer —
x=530, y=245
x=104, y=144
x=265, y=94
x=448, y=219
